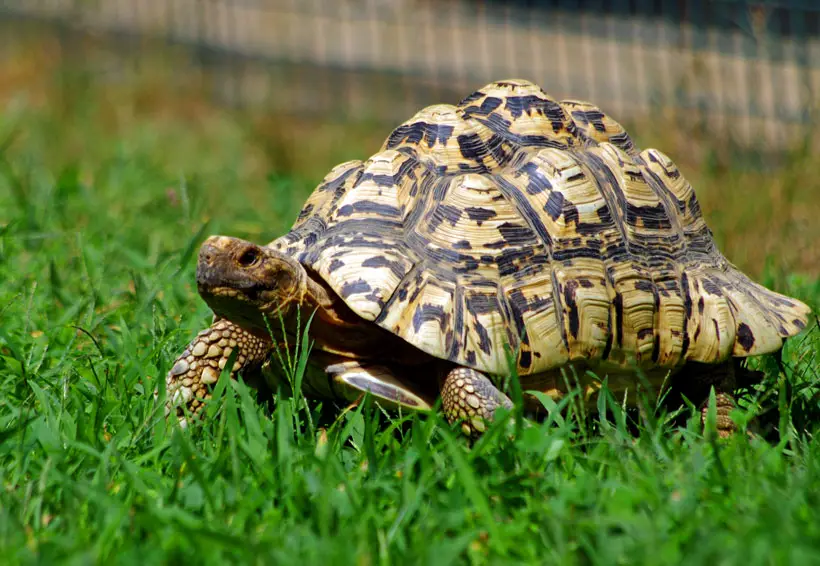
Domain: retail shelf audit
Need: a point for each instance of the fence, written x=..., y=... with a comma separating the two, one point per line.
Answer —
x=750, y=69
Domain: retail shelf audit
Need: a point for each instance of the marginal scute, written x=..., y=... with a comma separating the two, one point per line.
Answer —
x=586, y=307
x=595, y=125
x=516, y=222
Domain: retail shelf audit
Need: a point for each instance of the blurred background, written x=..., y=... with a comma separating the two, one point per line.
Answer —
x=242, y=106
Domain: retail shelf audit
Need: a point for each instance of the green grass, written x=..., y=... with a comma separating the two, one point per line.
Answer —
x=99, y=224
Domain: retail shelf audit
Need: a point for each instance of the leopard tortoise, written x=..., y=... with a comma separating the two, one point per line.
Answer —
x=510, y=223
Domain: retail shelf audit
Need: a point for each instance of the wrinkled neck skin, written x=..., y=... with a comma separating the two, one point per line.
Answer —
x=336, y=329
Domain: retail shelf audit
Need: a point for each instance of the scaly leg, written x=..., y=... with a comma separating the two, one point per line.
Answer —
x=469, y=396
x=200, y=365
x=695, y=382
x=724, y=404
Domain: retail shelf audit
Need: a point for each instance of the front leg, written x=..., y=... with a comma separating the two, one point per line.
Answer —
x=469, y=396
x=200, y=365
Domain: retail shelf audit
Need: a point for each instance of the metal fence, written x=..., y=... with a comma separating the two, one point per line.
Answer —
x=751, y=69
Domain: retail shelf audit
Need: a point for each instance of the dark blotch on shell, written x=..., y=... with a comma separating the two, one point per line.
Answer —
x=305, y=212
x=379, y=261
x=479, y=214
x=538, y=182
x=445, y=212
x=487, y=105
x=572, y=307
x=593, y=117
x=478, y=304
x=555, y=205
x=687, y=298
x=369, y=207
x=472, y=147
x=418, y=131
x=652, y=217
x=530, y=104
x=710, y=287
x=352, y=287
x=745, y=336
x=516, y=234
x=425, y=313
x=618, y=302
x=484, y=342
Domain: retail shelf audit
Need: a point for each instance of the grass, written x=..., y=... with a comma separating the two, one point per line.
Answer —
x=103, y=201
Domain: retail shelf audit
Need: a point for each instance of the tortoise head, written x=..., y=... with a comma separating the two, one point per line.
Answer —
x=242, y=282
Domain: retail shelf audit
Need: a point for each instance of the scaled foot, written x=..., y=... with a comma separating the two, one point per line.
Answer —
x=470, y=397
x=724, y=405
x=200, y=365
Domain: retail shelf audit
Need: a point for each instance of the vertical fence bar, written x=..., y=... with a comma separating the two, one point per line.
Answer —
x=669, y=70
x=403, y=23
x=512, y=68
x=348, y=51
x=227, y=29
x=758, y=16
x=534, y=70
x=457, y=37
x=428, y=45
x=586, y=60
x=749, y=53
x=559, y=55
x=643, y=98
x=696, y=54
x=616, y=36
x=798, y=34
x=747, y=104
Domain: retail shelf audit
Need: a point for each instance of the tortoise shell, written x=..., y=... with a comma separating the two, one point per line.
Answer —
x=514, y=220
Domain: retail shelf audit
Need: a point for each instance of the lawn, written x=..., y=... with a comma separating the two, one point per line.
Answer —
x=104, y=199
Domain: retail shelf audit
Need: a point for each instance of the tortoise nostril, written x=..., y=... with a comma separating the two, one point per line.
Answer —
x=248, y=257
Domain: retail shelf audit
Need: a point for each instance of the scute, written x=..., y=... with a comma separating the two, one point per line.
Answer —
x=513, y=220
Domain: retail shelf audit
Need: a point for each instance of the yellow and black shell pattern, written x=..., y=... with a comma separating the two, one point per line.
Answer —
x=516, y=221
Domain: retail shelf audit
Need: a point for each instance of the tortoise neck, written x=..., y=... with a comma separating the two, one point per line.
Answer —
x=333, y=322
x=336, y=328
x=317, y=295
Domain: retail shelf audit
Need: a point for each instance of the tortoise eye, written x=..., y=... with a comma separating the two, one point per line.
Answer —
x=248, y=257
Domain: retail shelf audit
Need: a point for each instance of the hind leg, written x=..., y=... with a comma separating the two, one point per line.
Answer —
x=724, y=405
x=696, y=383
x=722, y=378
x=469, y=396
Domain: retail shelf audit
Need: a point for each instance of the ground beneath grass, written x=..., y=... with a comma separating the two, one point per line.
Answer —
x=101, y=213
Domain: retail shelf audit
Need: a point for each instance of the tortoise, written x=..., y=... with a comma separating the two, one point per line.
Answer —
x=511, y=233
